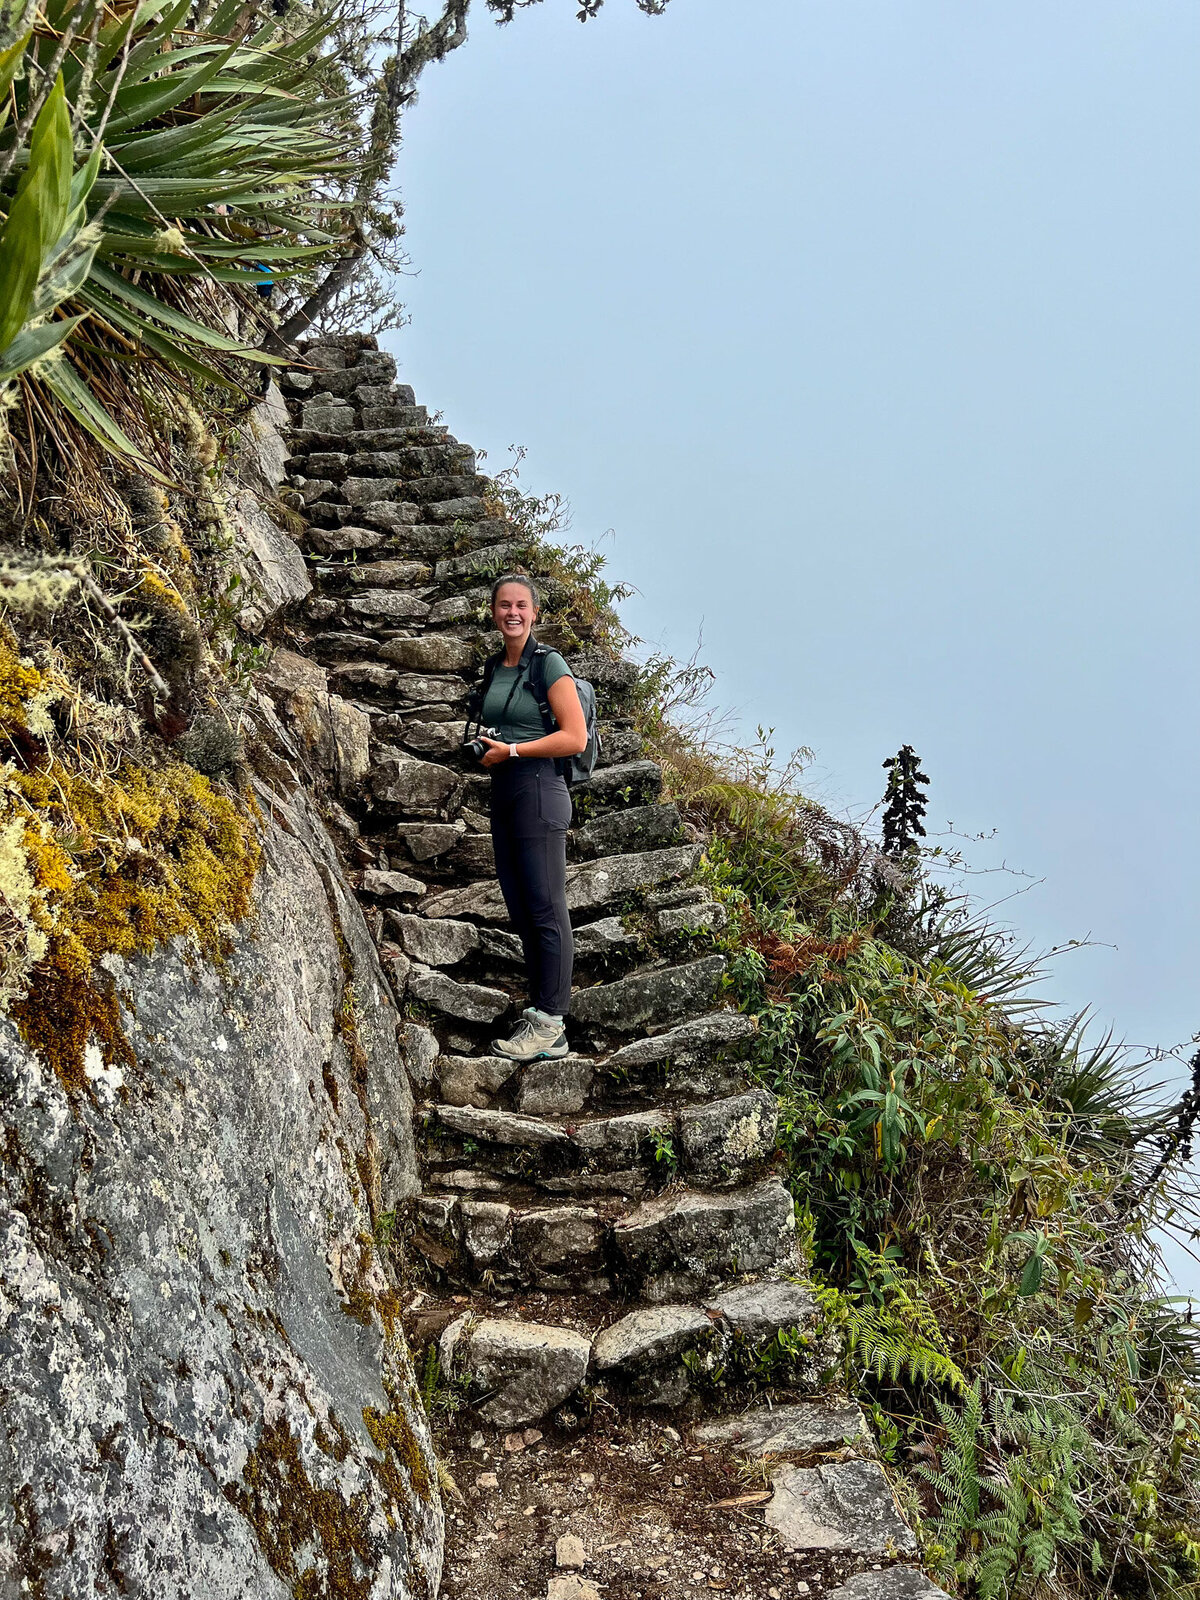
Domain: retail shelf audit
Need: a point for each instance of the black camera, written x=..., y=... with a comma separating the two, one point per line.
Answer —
x=477, y=747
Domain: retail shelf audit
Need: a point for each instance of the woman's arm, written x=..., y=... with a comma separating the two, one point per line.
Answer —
x=568, y=739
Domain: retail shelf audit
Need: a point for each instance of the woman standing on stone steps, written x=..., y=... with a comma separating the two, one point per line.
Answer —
x=531, y=812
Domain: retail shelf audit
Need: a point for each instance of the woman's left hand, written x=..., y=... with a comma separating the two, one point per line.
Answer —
x=495, y=752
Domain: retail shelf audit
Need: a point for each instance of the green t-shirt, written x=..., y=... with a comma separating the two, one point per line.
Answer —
x=523, y=721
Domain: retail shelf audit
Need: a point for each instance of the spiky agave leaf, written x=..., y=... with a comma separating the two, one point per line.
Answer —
x=207, y=159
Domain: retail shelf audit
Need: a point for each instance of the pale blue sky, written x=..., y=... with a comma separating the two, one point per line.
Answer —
x=872, y=331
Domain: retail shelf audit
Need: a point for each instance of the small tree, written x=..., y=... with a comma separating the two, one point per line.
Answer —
x=903, y=817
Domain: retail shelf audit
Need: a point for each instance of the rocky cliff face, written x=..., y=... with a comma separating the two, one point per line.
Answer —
x=205, y=1390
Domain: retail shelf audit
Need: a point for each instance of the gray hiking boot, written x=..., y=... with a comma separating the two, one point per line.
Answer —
x=538, y=1036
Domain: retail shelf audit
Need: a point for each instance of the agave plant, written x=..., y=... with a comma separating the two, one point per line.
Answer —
x=158, y=167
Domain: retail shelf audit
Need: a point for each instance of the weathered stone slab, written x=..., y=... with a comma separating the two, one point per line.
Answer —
x=335, y=541
x=363, y=491
x=431, y=738
x=844, y=1505
x=677, y=1243
x=892, y=1583
x=572, y=1587
x=492, y=558
x=524, y=1368
x=636, y=828
x=431, y=653
x=400, y=781
x=707, y=916
x=722, y=1140
x=273, y=568
x=800, y=1429
x=625, y=1140
x=437, y=942
x=590, y=884
x=485, y=1225
x=367, y=677
x=472, y=1002
x=556, y=1242
x=392, y=604
x=685, y=1045
x=419, y=1049
x=658, y=995
x=555, y=1088
x=422, y=689
x=384, y=884
x=425, y=841
x=327, y=417
x=628, y=783
x=500, y=945
x=340, y=645
x=759, y=1310
x=351, y=746
x=603, y=938
x=390, y=574
x=501, y=1127
x=464, y=607
x=474, y=1080
x=649, y=1335
x=394, y=516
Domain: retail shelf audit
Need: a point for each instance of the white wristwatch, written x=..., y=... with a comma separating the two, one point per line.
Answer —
x=512, y=750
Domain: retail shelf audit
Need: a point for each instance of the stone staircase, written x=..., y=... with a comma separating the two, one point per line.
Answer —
x=609, y=1225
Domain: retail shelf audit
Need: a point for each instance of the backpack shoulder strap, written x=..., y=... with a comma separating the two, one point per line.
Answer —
x=479, y=693
x=537, y=687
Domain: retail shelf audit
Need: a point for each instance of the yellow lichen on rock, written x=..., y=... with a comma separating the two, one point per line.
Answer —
x=102, y=863
x=123, y=865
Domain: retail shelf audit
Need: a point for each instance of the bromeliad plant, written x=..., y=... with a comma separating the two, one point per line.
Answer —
x=160, y=165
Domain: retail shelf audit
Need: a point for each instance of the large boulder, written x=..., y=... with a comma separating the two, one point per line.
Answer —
x=206, y=1393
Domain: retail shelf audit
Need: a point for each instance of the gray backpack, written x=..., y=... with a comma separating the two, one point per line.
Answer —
x=575, y=769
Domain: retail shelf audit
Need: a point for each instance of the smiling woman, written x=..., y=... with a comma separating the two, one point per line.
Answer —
x=533, y=719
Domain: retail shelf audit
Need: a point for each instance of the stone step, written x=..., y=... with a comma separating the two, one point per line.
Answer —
x=714, y=1145
x=649, y=827
x=340, y=578
x=650, y=997
x=628, y=783
x=488, y=559
x=801, y=1429
x=393, y=528
x=670, y=1247
x=841, y=1505
x=403, y=463
x=365, y=384
x=446, y=941
x=695, y=1063
x=414, y=429
x=591, y=885
x=678, y=1242
x=522, y=1369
